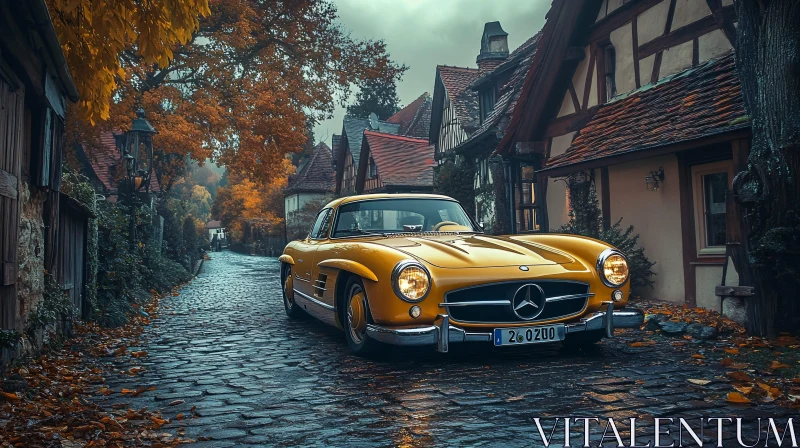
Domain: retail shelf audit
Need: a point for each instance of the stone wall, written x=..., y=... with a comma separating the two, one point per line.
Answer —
x=30, y=254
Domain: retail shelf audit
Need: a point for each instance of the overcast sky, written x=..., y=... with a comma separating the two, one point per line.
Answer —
x=425, y=33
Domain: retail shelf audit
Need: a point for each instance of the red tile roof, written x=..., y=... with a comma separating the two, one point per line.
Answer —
x=401, y=161
x=414, y=119
x=456, y=81
x=315, y=176
x=695, y=103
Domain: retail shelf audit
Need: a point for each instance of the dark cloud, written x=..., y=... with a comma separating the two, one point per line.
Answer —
x=424, y=33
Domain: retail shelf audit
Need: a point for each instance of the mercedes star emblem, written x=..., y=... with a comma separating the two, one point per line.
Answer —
x=528, y=301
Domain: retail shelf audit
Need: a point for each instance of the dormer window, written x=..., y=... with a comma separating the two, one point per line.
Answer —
x=609, y=57
x=373, y=169
x=487, y=100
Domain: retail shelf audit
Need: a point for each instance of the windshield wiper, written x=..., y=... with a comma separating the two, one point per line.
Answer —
x=362, y=232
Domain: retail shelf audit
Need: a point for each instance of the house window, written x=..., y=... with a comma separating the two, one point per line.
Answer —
x=487, y=100
x=609, y=58
x=527, y=206
x=373, y=169
x=710, y=185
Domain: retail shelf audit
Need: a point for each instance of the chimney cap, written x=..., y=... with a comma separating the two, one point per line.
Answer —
x=494, y=43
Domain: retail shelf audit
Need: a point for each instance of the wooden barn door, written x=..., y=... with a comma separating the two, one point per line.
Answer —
x=72, y=244
x=12, y=110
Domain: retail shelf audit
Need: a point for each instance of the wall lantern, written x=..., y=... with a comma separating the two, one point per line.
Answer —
x=654, y=179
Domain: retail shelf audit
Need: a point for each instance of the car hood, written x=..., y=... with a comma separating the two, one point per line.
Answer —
x=476, y=251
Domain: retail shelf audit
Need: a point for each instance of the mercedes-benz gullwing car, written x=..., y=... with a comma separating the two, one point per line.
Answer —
x=416, y=270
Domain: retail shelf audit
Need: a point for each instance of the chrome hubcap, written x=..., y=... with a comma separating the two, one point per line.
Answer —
x=357, y=314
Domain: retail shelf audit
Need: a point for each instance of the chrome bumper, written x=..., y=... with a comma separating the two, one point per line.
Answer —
x=442, y=334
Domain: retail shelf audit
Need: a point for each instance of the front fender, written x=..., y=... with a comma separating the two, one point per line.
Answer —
x=285, y=258
x=349, y=266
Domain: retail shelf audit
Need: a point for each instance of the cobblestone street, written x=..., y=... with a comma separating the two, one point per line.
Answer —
x=225, y=347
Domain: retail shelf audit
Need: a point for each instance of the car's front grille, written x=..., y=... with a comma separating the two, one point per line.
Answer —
x=492, y=303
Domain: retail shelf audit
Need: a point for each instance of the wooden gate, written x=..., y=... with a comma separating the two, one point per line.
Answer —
x=12, y=110
x=72, y=251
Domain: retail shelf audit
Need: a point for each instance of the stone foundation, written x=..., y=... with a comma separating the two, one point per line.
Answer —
x=30, y=253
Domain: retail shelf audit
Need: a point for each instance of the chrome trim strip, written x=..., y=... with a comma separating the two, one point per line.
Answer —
x=521, y=280
x=570, y=296
x=302, y=279
x=442, y=333
x=313, y=300
x=477, y=302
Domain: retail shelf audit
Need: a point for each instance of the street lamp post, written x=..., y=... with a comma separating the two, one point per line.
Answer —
x=138, y=156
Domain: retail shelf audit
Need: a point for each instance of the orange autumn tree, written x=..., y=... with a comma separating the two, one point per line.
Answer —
x=94, y=33
x=243, y=88
x=244, y=200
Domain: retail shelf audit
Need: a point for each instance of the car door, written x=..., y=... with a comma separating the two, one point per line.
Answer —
x=319, y=242
x=304, y=262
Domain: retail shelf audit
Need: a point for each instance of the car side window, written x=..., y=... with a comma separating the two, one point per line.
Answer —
x=322, y=224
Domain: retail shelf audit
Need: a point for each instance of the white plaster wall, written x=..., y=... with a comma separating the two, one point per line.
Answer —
x=650, y=24
x=613, y=4
x=560, y=144
x=602, y=12
x=706, y=279
x=688, y=11
x=646, y=69
x=655, y=216
x=557, y=210
x=622, y=40
x=713, y=44
x=579, y=78
x=727, y=2
x=567, y=107
x=675, y=59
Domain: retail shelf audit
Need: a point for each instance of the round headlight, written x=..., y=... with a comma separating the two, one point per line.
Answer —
x=411, y=281
x=613, y=268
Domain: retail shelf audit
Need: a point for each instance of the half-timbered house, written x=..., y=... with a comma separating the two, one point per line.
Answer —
x=349, y=150
x=642, y=99
x=35, y=86
x=454, y=111
x=313, y=182
x=498, y=90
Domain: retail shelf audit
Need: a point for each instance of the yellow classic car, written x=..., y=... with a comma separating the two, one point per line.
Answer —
x=417, y=270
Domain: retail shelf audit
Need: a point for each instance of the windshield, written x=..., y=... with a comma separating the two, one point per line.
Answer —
x=402, y=215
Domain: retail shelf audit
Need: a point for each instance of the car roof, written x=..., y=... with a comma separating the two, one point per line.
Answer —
x=361, y=197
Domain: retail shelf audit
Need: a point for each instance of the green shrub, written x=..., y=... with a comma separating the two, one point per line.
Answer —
x=586, y=219
x=162, y=274
x=49, y=314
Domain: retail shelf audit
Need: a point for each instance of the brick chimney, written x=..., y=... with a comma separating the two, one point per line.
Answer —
x=494, y=47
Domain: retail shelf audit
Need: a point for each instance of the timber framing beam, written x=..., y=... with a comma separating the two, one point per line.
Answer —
x=683, y=34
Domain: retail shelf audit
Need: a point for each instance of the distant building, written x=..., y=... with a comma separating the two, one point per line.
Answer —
x=313, y=182
x=395, y=164
x=349, y=151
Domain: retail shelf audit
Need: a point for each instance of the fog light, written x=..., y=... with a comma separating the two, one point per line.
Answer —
x=616, y=295
x=415, y=311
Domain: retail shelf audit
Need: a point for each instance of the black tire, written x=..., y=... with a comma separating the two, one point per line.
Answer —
x=287, y=289
x=356, y=317
x=583, y=340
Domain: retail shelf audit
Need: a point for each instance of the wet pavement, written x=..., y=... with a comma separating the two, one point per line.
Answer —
x=225, y=348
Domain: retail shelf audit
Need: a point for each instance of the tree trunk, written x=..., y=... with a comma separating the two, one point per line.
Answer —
x=768, y=61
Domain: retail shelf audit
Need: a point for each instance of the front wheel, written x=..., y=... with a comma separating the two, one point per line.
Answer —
x=357, y=317
x=292, y=308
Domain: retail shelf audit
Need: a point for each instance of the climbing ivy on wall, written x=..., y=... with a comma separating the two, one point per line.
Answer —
x=456, y=178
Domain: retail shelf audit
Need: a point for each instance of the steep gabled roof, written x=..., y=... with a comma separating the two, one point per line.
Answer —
x=543, y=77
x=316, y=176
x=456, y=81
x=414, y=119
x=698, y=102
x=520, y=61
x=354, y=129
x=401, y=161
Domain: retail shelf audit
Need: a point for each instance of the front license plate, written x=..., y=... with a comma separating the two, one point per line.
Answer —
x=529, y=335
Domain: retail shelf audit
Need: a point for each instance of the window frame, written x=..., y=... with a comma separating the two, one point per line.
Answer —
x=521, y=207
x=330, y=221
x=698, y=199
